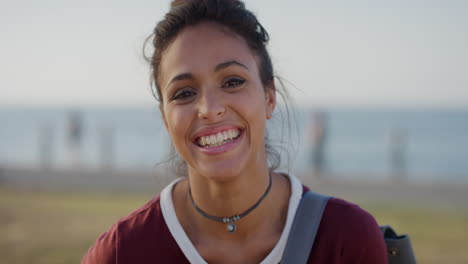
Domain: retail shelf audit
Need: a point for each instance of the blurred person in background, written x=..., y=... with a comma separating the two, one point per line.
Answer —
x=75, y=137
x=215, y=84
x=318, y=137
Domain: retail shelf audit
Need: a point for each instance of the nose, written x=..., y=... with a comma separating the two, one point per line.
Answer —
x=210, y=106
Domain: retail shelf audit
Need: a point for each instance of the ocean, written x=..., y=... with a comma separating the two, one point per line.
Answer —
x=429, y=145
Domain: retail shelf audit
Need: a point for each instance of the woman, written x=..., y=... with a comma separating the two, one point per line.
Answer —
x=214, y=80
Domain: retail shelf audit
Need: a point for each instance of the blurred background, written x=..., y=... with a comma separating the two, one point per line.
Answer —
x=379, y=91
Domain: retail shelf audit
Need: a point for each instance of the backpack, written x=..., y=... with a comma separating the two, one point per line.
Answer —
x=306, y=223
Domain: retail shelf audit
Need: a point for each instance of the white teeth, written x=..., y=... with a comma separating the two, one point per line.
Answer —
x=213, y=139
x=218, y=138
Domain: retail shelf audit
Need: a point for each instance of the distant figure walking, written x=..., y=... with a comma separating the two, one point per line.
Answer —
x=398, y=145
x=75, y=137
x=107, y=146
x=46, y=140
x=318, y=133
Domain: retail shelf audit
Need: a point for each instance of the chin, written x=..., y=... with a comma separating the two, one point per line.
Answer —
x=221, y=173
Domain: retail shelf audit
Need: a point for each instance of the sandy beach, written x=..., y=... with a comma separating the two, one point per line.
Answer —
x=53, y=216
x=428, y=195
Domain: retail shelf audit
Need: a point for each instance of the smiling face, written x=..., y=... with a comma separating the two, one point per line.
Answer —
x=214, y=103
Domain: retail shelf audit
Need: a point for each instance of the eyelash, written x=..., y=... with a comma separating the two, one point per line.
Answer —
x=182, y=95
x=185, y=94
x=237, y=82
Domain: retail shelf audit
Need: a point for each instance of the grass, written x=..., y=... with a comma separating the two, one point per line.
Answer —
x=58, y=227
x=437, y=235
x=53, y=227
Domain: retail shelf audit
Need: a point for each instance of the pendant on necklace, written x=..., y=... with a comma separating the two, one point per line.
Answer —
x=231, y=227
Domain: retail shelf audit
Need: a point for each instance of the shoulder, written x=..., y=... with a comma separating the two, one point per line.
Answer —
x=130, y=232
x=362, y=240
x=142, y=220
x=348, y=234
x=339, y=211
x=349, y=219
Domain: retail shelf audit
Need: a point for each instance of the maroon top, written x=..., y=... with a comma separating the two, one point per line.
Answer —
x=347, y=234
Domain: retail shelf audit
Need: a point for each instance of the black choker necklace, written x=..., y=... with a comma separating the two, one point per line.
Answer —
x=231, y=226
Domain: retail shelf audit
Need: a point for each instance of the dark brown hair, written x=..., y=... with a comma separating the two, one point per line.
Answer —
x=231, y=14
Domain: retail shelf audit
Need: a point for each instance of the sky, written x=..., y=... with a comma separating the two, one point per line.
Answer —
x=399, y=53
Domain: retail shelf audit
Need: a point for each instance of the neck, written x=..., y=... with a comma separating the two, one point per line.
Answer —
x=230, y=198
x=230, y=221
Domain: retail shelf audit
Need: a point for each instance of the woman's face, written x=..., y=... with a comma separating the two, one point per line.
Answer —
x=214, y=104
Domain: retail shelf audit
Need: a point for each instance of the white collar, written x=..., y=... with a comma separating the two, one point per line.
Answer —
x=189, y=250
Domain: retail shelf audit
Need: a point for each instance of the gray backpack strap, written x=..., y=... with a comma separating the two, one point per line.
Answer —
x=304, y=228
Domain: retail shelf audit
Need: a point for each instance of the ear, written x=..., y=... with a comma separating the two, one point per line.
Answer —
x=270, y=99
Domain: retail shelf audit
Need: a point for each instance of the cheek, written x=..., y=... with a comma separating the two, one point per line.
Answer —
x=176, y=125
x=179, y=122
x=254, y=110
x=254, y=102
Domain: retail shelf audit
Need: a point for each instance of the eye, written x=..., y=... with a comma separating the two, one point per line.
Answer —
x=183, y=94
x=233, y=82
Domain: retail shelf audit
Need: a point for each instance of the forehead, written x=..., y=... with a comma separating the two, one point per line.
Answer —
x=201, y=47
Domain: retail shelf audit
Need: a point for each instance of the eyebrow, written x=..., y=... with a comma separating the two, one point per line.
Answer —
x=228, y=64
x=181, y=77
x=221, y=66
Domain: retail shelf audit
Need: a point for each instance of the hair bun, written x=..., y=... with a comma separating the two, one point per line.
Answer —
x=175, y=3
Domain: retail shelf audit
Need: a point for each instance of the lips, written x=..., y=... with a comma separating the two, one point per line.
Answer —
x=218, y=138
